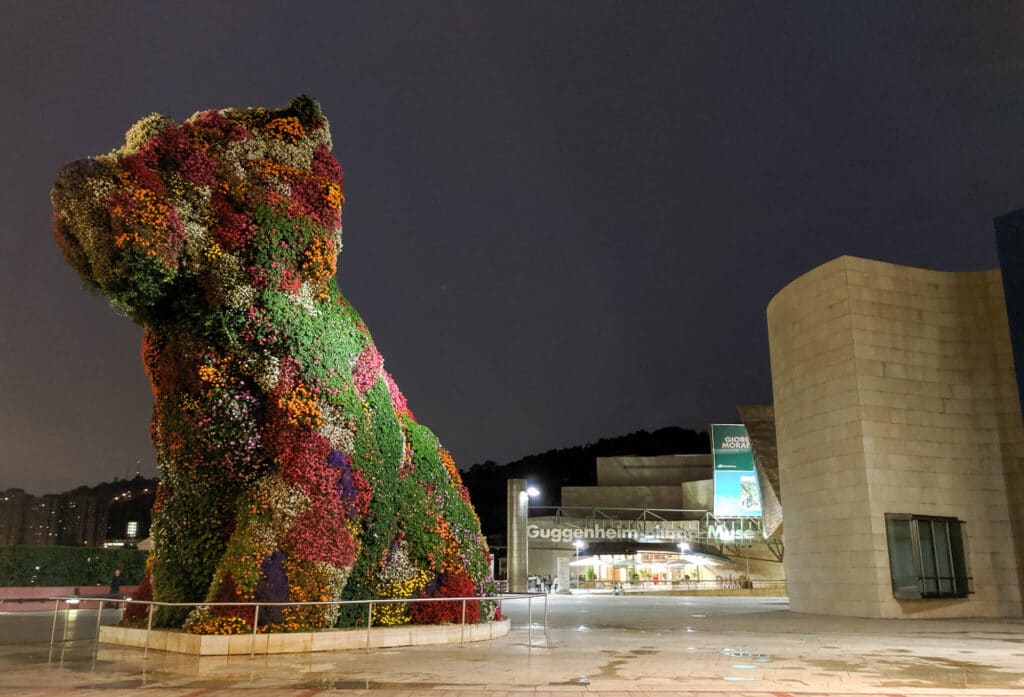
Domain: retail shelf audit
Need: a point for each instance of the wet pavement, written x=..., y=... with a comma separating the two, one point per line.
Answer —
x=594, y=644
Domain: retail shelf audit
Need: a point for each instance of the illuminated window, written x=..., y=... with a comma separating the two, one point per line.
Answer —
x=927, y=557
x=133, y=529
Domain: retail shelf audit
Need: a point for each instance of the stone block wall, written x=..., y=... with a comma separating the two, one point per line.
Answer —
x=667, y=496
x=894, y=392
x=638, y=470
x=699, y=495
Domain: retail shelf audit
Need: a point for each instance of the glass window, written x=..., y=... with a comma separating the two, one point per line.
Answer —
x=927, y=556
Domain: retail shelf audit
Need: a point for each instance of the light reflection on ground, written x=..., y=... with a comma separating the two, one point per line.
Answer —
x=631, y=643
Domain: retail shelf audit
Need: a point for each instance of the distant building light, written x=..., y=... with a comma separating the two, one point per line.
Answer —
x=132, y=529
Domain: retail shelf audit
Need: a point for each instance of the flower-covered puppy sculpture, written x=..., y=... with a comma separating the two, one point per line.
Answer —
x=291, y=467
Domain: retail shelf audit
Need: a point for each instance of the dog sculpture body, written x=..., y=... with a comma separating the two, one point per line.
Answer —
x=291, y=467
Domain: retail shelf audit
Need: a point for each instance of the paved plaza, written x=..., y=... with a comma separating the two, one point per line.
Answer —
x=594, y=644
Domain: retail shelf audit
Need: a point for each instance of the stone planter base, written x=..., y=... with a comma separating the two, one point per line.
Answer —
x=302, y=642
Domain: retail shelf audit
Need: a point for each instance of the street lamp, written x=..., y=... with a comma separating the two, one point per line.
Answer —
x=525, y=495
x=519, y=493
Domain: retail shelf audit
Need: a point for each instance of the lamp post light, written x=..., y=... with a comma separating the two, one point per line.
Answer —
x=525, y=495
x=519, y=493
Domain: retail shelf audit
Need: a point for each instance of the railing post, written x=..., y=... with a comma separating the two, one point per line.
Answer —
x=369, y=623
x=67, y=617
x=462, y=636
x=149, y=628
x=545, y=613
x=53, y=629
x=99, y=619
x=255, y=624
x=529, y=617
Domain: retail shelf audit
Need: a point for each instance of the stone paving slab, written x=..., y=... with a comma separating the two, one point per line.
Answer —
x=592, y=646
x=250, y=691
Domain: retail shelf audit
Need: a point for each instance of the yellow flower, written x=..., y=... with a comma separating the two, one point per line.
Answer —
x=213, y=252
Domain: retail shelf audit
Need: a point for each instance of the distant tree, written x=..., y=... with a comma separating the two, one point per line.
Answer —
x=572, y=466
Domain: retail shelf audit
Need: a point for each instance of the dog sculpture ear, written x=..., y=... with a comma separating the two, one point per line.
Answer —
x=116, y=225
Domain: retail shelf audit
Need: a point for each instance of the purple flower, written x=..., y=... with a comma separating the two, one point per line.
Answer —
x=272, y=587
x=342, y=465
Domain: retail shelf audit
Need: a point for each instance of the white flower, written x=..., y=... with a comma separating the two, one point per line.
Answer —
x=143, y=130
x=336, y=429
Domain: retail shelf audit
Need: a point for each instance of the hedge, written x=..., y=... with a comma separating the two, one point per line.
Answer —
x=69, y=566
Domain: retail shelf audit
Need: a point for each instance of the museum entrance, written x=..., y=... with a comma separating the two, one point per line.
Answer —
x=630, y=568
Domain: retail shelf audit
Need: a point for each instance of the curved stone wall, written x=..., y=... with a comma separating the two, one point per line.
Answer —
x=894, y=392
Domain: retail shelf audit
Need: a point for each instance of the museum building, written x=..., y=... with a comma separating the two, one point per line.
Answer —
x=648, y=523
x=899, y=437
x=894, y=446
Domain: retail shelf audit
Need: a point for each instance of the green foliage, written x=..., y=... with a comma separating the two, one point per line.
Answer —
x=143, y=284
x=378, y=449
x=69, y=566
x=194, y=518
x=317, y=340
x=306, y=108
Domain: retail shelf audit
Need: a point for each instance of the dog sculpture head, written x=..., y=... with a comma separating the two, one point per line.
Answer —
x=168, y=224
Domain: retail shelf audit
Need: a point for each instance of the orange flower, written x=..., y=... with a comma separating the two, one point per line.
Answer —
x=320, y=264
x=286, y=128
x=302, y=408
x=334, y=196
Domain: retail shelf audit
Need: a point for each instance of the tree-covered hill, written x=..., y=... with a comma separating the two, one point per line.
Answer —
x=573, y=466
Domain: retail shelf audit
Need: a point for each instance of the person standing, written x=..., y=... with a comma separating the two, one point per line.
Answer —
x=115, y=583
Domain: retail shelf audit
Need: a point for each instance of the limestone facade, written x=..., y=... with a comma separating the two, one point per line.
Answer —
x=895, y=392
x=634, y=481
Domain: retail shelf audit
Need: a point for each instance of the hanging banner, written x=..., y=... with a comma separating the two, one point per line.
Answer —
x=737, y=494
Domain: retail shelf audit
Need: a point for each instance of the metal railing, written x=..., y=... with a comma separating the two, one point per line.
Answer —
x=71, y=601
x=709, y=585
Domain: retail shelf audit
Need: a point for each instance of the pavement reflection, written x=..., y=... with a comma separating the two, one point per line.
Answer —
x=628, y=645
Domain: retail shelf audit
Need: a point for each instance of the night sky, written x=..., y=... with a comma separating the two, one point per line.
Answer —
x=564, y=220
